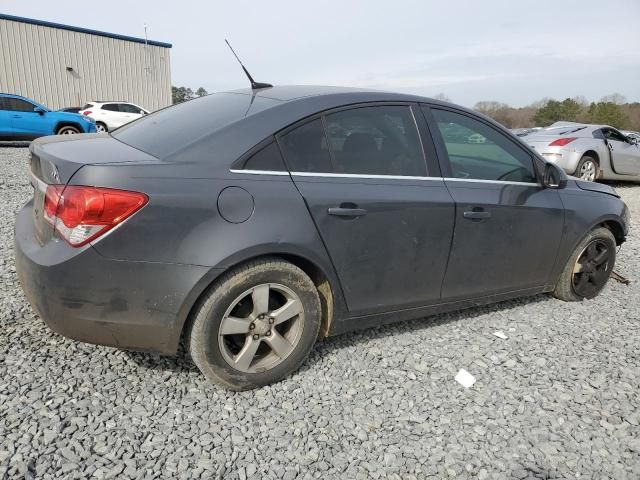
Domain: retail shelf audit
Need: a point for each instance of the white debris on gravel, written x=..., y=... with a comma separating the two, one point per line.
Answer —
x=464, y=378
x=500, y=334
x=559, y=400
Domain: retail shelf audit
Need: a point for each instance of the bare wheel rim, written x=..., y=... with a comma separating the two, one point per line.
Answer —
x=592, y=269
x=261, y=328
x=588, y=171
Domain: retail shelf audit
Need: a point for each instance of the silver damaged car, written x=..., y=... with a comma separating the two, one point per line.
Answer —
x=590, y=152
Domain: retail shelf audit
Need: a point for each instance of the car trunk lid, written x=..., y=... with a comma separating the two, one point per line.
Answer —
x=54, y=160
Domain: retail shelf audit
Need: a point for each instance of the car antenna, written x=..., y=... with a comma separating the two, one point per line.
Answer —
x=254, y=85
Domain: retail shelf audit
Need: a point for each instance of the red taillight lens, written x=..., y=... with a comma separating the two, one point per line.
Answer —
x=87, y=112
x=81, y=214
x=561, y=142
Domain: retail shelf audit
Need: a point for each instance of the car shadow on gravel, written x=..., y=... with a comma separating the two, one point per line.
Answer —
x=331, y=344
x=182, y=362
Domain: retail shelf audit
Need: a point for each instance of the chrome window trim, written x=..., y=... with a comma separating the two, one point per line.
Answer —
x=259, y=172
x=356, y=175
x=501, y=182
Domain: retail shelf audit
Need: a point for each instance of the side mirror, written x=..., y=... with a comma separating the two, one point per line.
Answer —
x=554, y=176
x=39, y=110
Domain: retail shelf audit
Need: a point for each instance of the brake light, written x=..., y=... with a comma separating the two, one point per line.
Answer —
x=561, y=142
x=82, y=214
x=87, y=112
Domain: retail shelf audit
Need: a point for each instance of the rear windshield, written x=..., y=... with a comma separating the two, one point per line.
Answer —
x=167, y=131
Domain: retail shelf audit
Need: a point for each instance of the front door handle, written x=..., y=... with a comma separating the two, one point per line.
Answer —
x=16, y=116
x=346, y=212
x=479, y=215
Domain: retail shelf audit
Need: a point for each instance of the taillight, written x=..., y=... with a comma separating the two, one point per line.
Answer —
x=82, y=214
x=87, y=112
x=561, y=142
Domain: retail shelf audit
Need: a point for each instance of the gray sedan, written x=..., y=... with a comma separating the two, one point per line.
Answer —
x=590, y=152
x=253, y=223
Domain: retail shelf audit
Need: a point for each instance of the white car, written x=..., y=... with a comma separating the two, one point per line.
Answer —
x=476, y=138
x=110, y=115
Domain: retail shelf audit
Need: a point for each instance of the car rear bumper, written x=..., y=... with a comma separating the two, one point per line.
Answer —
x=85, y=296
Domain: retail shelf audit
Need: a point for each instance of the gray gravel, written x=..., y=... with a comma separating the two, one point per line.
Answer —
x=558, y=399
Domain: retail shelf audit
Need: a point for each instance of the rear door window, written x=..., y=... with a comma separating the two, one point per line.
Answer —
x=479, y=151
x=376, y=141
x=379, y=140
x=111, y=107
x=266, y=159
x=18, y=105
x=306, y=149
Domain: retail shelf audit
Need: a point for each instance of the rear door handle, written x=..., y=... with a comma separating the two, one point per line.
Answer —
x=481, y=215
x=346, y=212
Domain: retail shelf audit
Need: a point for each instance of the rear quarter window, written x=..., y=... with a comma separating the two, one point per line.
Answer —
x=166, y=131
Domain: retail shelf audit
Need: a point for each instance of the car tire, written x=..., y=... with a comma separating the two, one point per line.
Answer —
x=588, y=269
x=101, y=127
x=68, y=130
x=236, y=335
x=587, y=169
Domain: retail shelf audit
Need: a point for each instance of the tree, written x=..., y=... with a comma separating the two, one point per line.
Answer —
x=180, y=94
x=567, y=110
x=607, y=113
x=201, y=92
x=500, y=112
x=442, y=97
x=614, y=98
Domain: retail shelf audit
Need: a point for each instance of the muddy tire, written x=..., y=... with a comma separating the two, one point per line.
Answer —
x=256, y=325
x=588, y=269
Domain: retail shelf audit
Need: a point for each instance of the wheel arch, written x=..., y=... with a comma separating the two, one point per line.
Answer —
x=67, y=123
x=615, y=228
x=326, y=285
x=593, y=154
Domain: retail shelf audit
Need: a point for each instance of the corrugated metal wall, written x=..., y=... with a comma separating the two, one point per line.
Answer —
x=34, y=61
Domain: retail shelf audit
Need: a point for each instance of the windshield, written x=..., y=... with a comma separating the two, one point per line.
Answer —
x=169, y=130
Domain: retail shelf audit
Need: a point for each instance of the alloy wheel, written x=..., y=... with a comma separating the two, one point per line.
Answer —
x=100, y=128
x=261, y=328
x=67, y=131
x=588, y=171
x=592, y=269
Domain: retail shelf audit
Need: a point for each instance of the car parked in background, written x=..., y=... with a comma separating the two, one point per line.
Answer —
x=111, y=115
x=589, y=152
x=24, y=119
x=70, y=109
x=523, y=132
x=631, y=135
x=255, y=222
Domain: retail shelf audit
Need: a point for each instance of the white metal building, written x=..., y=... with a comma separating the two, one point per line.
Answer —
x=63, y=66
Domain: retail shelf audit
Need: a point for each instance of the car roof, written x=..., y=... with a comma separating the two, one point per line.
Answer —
x=287, y=93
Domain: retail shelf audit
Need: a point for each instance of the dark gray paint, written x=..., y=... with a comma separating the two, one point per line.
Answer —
x=135, y=286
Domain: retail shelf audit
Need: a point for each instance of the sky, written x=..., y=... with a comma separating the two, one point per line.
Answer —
x=515, y=52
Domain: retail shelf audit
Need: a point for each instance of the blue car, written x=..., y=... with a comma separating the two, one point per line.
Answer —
x=25, y=119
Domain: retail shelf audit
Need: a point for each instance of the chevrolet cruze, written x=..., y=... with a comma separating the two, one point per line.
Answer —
x=255, y=222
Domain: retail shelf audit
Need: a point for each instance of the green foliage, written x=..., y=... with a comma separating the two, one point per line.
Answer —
x=607, y=113
x=201, y=92
x=610, y=110
x=554, y=111
x=181, y=94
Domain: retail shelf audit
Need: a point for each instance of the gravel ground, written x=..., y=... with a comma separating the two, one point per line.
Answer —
x=559, y=398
